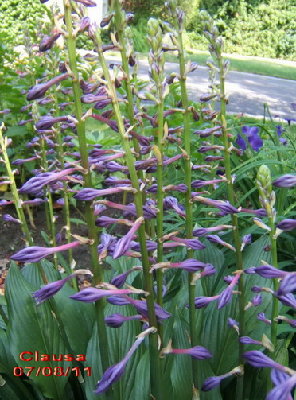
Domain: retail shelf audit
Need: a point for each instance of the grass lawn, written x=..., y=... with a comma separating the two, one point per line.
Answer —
x=251, y=65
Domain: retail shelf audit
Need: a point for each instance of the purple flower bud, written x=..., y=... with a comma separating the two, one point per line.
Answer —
x=198, y=184
x=287, y=224
x=224, y=206
x=10, y=218
x=209, y=131
x=84, y=24
x=116, y=320
x=91, y=294
x=248, y=340
x=90, y=194
x=150, y=245
x=23, y=161
x=213, y=381
x=47, y=121
x=233, y=324
x=124, y=243
x=278, y=376
x=35, y=184
x=205, y=231
x=257, y=300
x=288, y=284
x=48, y=41
x=119, y=280
x=218, y=240
x=50, y=289
x=283, y=391
x=39, y=90
x=141, y=307
x=247, y=239
x=201, y=302
x=258, y=359
x=287, y=300
x=198, y=352
x=256, y=289
x=113, y=373
x=118, y=301
x=261, y=212
x=261, y=317
x=268, y=271
x=285, y=181
x=35, y=253
x=194, y=244
x=5, y=111
x=171, y=202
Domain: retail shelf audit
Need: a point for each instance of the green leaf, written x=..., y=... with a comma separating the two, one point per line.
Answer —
x=34, y=328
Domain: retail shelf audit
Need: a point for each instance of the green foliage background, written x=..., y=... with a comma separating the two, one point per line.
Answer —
x=254, y=27
x=20, y=17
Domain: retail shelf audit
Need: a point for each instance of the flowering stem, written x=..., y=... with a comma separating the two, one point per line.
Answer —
x=275, y=302
x=80, y=126
x=130, y=160
x=49, y=204
x=188, y=203
x=236, y=234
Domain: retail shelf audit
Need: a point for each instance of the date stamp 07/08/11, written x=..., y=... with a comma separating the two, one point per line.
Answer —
x=50, y=371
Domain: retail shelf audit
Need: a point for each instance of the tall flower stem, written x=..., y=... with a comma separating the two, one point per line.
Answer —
x=188, y=203
x=275, y=302
x=130, y=160
x=92, y=231
x=49, y=204
x=235, y=225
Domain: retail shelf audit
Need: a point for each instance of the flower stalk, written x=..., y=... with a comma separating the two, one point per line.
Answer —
x=215, y=48
x=130, y=161
x=90, y=218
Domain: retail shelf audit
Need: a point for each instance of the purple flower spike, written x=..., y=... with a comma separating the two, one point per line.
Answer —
x=116, y=320
x=287, y=225
x=285, y=181
x=288, y=284
x=114, y=373
x=124, y=243
x=258, y=359
x=50, y=289
x=198, y=352
x=248, y=340
x=35, y=254
x=38, y=91
x=283, y=391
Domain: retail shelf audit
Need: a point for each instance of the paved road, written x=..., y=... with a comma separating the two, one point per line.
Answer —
x=246, y=92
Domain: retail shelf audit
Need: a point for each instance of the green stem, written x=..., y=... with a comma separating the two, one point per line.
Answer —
x=235, y=225
x=188, y=203
x=275, y=302
x=90, y=219
x=148, y=282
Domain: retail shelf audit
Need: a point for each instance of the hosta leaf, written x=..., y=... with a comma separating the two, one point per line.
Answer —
x=77, y=317
x=33, y=328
